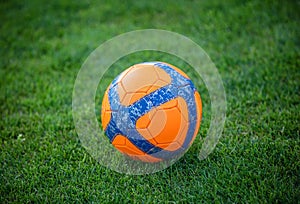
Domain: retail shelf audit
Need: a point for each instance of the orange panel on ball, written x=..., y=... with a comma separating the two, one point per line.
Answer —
x=138, y=77
x=125, y=146
x=175, y=128
x=140, y=80
x=162, y=75
x=199, y=113
x=144, y=121
x=183, y=108
x=167, y=127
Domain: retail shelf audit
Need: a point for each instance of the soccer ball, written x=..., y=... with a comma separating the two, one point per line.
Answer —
x=151, y=112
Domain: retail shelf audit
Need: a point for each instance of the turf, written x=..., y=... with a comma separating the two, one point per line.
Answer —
x=254, y=44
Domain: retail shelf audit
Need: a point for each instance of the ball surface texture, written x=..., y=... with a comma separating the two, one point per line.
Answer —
x=151, y=112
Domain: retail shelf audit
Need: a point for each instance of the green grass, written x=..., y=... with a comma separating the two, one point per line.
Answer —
x=254, y=44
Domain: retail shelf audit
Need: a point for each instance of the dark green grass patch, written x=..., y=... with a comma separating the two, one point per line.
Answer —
x=254, y=44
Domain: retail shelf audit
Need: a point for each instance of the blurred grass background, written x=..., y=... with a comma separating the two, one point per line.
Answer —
x=254, y=44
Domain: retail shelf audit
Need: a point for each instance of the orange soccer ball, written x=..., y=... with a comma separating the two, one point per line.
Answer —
x=151, y=112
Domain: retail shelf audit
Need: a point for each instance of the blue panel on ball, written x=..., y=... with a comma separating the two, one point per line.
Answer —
x=150, y=101
x=112, y=130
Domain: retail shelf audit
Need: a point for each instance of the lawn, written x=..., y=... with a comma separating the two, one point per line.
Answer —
x=254, y=44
